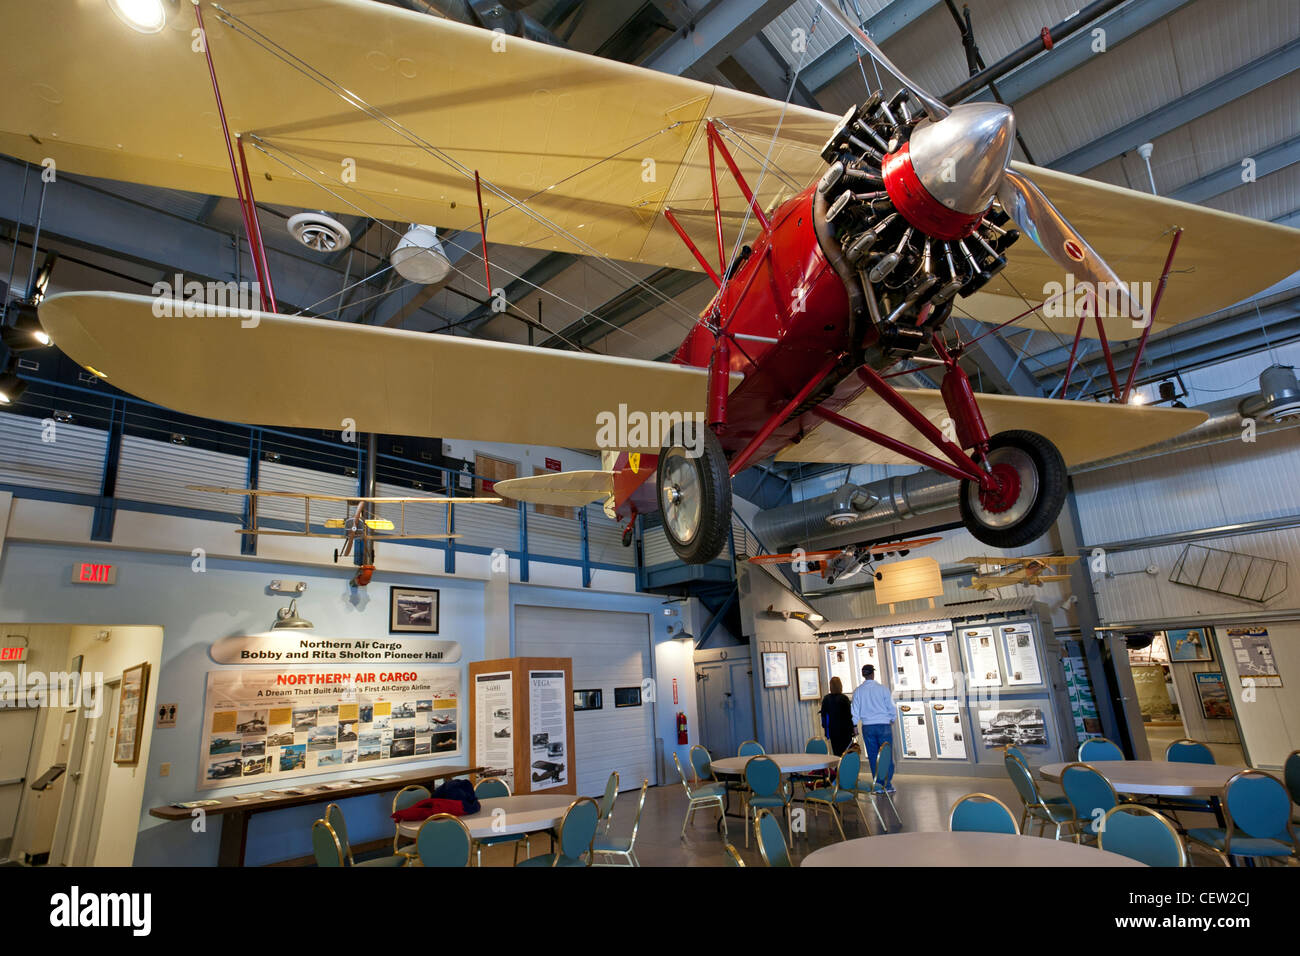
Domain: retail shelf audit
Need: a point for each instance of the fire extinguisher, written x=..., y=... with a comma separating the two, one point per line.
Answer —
x=681, y=728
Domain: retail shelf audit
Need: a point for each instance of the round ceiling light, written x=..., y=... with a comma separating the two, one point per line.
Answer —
x=143, y=16
x=420, y=257
x=319, y=232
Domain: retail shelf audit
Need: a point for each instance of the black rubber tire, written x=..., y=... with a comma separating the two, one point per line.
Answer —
x=1048, y=501
x=714, y=482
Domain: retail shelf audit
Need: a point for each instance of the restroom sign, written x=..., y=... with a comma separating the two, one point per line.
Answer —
x=87, y=573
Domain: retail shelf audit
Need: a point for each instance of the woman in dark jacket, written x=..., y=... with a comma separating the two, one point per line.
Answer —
x=837, y=718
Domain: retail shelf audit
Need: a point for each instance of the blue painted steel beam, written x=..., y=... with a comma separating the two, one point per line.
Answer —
x=1076, y=50
x=586, y=547
x=1205, y=99
x=1291, y=219
x=713, y=37
x=1267, y=161
x=249, y=543
x=101, y=527
x=844, y=54
x=717, y=617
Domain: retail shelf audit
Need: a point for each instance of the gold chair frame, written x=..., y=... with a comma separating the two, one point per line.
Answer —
x=758, y=838
x=811, y=801
x=630, y=853
x=694, y=803
x=979, y=794
x=1225, y=855
x=1184, y=858
x=469, y=840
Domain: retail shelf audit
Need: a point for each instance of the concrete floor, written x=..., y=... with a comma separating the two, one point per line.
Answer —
x=923, y=802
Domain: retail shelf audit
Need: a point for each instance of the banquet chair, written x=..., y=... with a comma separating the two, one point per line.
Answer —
x=489, y=788
x=325, y=845
x=766, y=790
x=771, y=844
x=708, y=795
x=1185, y=750
x=1143, y=834
x=620, y=846
x=407, y=796
x=751, y=748
x=843, y=790
x=880, y=781
x=576, y=838
x=1259, y=825
x=1291, y=776
x=334, y=817
x=1049, y=811
x=733, y=855
x=702, y=764
x=443, y=841
x=1091, y=797
x=608, y=800
x=981, y=813
x=812, y=778
x=1099, y=748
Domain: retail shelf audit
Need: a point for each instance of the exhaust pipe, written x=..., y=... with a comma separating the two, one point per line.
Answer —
x=826, y=522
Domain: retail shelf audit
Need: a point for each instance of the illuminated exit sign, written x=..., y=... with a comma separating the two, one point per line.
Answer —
x=12, y=655
x=94, y=574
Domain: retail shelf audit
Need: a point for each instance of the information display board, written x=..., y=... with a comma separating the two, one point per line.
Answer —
x=1022, y=656
x=839, y=664
x=548, y=706
x=268, y=724
x=866, y=651
x=905, y=665
x=949, y=734
x=982, y=668
x=916, y=737
x=937, y=657
x=494, y=747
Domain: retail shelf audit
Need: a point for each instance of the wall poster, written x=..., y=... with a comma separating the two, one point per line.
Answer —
x=548, y=721
x=1022, y=658
x=1253, y=652
x=838, y=665
x=494, y=742
x=916, y=738
x=276, y=724
x=866, y=652
x=905, y=672
x=982, y=665
x=1024, y=727
x=1216, y=704
x=948, y=732
x=938, y=661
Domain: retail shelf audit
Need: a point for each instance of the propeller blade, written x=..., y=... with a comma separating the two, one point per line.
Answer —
x=935, y=109
x=1041, y=221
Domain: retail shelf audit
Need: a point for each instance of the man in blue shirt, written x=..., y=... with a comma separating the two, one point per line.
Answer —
x=873, y=708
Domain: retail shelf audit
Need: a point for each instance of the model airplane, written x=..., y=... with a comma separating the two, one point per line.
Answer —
x=842, y=563
x=863, y=244
x=1004, y=571
x=360, y=524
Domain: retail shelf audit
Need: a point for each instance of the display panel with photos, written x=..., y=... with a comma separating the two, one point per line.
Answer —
x=905, y=664
x=1020, y=726
x=275, y=724
x=982, y=667
x=412, y=611
x=915, y=730
x=1021, y=654
x=949, y=730
x=937, y=658
x=839, y=664
x=776, y=669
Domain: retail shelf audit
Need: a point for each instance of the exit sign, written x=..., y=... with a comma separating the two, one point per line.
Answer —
x=87, y=573
x=13, y=655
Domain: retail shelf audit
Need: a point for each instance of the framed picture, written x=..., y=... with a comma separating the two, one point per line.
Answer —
x=412, y=610
x=809, y=682
x=776, y=669
x=1215, y=702
x=1189, y=644
x=130, y=714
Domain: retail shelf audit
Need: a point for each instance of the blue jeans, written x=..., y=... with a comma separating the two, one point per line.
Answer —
x=873, y=735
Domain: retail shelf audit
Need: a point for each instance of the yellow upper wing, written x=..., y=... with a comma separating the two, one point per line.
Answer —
x=367, y=108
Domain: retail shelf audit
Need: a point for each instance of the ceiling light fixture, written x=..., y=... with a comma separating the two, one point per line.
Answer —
x=419, y=257
x=11, y=388
x=24, y=332
x=142, y=16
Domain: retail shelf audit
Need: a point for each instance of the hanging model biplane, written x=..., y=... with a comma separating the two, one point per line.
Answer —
x=855, y=239
x=841, y=563
x=999, y=572
x=360, y=521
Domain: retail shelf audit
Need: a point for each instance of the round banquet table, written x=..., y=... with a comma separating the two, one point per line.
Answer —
x=962, y=849
x=1159, y=778
x=525, y=813
x=789, y=763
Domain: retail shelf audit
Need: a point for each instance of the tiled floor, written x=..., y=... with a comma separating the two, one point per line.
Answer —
x=923, y=803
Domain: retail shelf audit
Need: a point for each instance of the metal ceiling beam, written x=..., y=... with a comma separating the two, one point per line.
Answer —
x=395, y=309
x=1205, y=99
x=1291, y=219
x=771, y=73
x=713, y=37
x=999, y=362
x=1229, y=177
x=538, y=274
x=1074, y=51
x=844, y=53
x=624, y=308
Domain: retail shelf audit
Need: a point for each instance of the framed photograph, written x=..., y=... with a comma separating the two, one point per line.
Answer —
x=412, y=611
x=1215, y=702
x=776, y=669
x=809, y=682
x=130, y=714
x=1189, y=644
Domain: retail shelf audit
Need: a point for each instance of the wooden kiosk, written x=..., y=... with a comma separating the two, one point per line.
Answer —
x=521, y=722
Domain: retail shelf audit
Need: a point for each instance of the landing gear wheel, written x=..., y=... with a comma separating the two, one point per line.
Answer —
x=1031, y=491
x=627, y=533
x=694, y=493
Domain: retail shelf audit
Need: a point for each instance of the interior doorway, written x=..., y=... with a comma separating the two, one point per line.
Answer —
x=725, y=700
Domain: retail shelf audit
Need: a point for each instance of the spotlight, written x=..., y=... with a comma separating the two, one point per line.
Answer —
x=24, y=332
x=11, y=388
x=287, y=618
x=419, y=257
x=142, y=16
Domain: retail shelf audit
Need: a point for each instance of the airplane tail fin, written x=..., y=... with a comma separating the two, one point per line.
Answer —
x=568, y=488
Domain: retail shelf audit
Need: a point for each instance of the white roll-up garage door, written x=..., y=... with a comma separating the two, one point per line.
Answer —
x=609, y=649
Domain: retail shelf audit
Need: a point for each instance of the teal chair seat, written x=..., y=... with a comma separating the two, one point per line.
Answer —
x=1241, y=846
x=710, y=790
x=769, y=802
x=549, y=859
x=610, y=844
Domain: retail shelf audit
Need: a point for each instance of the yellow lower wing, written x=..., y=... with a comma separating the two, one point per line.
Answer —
x=570, y=488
